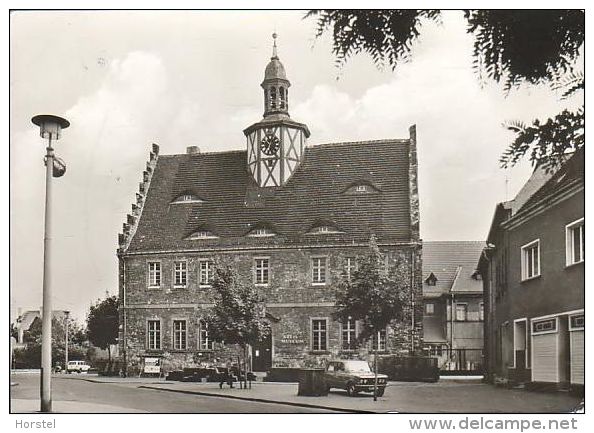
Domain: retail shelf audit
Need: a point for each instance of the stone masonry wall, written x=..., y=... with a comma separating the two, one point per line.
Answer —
x=290, y=296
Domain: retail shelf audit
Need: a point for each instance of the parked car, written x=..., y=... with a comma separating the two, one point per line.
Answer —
x=353, y=376
x=77, y=367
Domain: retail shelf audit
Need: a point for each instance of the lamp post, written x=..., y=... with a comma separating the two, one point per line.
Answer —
x=66, y=313
x=50, y=128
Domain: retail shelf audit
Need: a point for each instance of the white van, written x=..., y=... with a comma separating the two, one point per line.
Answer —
x=77, y=367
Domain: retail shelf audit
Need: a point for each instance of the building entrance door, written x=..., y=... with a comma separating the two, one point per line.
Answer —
x=262, y=354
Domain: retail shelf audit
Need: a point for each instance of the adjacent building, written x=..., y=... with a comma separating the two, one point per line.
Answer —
x=533, y=274
x=291, y=217
x=453, y=305
x=25, y=320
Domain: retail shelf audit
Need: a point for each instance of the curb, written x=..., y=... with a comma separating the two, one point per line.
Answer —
x=258, y=400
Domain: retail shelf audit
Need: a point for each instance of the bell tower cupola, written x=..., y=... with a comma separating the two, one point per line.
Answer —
x=275, y=85
x=275, y=144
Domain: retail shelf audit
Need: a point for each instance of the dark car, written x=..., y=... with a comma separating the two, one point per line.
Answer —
x=354, y=376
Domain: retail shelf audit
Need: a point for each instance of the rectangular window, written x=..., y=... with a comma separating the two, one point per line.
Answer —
x=531, y=260
x=180, y=337
x=262, y=267
x=575, y=242
x=180, y=273
x=429, y=309
x=461, y=312
x=349, y=336
x=481, y=312
x=319, y=337
x=349, y=267
x=154, y=334
x=205, y=273
x=576, y=322
x=549, y=325
x=154, y=274
x=379, y=337
x=205, y=342
x=318, y=270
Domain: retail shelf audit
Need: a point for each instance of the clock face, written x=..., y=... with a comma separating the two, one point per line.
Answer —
x=269, y=144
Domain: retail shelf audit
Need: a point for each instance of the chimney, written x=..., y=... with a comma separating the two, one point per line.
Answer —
x=192, y=150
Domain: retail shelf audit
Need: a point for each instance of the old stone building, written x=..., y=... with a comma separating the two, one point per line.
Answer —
x=291, y=217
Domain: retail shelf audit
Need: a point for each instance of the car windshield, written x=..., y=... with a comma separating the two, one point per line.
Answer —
x=361, y=366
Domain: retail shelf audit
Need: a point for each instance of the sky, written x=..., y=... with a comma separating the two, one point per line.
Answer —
x=126, y=79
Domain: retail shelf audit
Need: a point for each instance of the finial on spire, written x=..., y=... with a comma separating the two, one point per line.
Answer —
x=274, y=54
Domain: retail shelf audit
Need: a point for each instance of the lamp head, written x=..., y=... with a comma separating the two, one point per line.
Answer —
x=50, y=126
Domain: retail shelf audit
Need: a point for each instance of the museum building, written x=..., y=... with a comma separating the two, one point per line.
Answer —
x=290, y=216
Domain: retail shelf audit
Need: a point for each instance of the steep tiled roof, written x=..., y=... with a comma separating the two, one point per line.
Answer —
x=570, y=172
x=453, y=263
x=233, y=204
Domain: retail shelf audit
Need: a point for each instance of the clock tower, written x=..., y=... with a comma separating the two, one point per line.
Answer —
x=275, y=144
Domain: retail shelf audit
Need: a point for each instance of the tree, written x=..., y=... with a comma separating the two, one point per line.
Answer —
x=103, y=324
x=510, y=47
x=30, y=356
x=14, y=331
x=238, y=313
x=376, y=294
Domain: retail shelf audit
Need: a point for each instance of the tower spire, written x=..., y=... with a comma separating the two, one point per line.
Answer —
x=274, y=53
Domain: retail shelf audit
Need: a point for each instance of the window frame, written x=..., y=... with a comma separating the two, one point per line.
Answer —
x=158, y=272
x=353, y=346
x=570, y=245
x=315, y=282
x=461, y=304
x=184, y=271
x=159, y=333
x=432, y=312
x=524, y=252
x=312, y=336
x=378, y=337
x=262, y=283
x=183, y=332
x=209, y=273
x=350, y=265
x=203, y=328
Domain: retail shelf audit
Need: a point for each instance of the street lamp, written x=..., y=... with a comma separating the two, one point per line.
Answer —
x=50, y=128
x=66, y=313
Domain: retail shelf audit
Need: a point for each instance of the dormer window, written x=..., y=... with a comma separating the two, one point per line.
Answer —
x=202, y=234
x=362, y=187
x=187, y=198
x=324, y=230
x=431, y=279
x=261, y=232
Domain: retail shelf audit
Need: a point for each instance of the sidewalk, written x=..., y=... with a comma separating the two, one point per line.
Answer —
x=32, y=406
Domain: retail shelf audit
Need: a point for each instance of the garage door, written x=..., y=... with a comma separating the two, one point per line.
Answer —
x=576, y=327
x=544, y=351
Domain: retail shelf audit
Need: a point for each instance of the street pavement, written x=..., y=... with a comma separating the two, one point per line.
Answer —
x=158, y=395
x=76, y=394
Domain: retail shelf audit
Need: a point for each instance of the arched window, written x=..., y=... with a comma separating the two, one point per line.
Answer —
x=273, y=98
x=282, y=97
x=266, y=105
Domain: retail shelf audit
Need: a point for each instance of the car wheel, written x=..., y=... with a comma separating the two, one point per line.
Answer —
x=351, y=390
x=380, y=392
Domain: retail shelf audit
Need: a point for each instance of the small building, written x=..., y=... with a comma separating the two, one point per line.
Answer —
x=533, y=274
x=25, y=320
x=292, y=217
x=453, y=305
